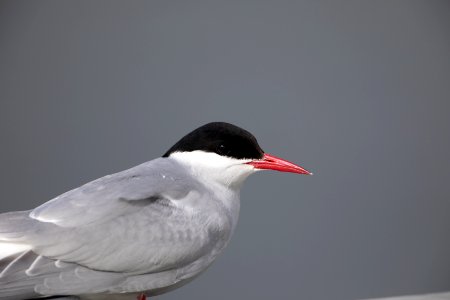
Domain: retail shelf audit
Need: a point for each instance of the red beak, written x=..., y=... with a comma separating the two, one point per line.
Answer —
x=270, y=162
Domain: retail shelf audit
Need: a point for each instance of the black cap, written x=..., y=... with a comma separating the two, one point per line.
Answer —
x=222, y=138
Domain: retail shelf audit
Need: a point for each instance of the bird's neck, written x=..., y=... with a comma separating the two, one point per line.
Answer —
x=222, y=176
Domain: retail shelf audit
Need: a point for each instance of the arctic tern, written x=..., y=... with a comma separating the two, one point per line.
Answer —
x=137, y=233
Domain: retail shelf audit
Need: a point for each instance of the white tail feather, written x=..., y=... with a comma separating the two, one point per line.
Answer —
x=8, y=249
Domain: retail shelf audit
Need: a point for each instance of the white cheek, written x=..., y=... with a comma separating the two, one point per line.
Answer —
x=214, y=167
x=202, y=159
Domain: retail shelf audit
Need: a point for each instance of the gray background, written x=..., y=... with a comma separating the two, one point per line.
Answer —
x=356, y=91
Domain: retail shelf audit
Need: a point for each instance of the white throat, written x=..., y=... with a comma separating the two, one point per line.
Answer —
x=212, y=167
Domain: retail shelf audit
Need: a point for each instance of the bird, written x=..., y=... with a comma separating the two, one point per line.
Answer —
x=137, y=233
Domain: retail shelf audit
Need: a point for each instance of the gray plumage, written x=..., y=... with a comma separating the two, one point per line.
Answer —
x=137, y=230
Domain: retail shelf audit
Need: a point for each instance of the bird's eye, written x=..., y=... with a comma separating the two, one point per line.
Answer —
x=222, y=149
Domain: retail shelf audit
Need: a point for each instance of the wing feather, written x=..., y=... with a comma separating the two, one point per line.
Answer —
x=108, y=197
x=139, y=222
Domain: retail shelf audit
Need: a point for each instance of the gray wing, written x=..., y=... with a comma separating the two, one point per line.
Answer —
x=113, y=195
x=130, y=223
x=28, y=276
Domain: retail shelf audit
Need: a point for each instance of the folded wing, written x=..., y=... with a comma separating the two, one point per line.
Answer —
x=130, y=223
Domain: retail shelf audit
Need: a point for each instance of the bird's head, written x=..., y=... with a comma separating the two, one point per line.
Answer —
x=226, y=153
